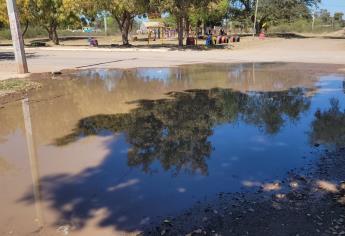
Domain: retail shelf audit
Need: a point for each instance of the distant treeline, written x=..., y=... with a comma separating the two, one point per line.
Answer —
x=51, y=18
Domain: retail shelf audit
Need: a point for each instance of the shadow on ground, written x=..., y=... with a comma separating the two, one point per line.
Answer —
x=9, y=56
x=288, y=36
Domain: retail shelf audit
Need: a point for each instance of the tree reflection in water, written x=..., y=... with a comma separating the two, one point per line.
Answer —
x=176, y=131
x=329, y=126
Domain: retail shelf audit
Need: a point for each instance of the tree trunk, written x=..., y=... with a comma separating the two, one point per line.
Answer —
x=25, y=28
x=187, y=24
x=125, y=26
x=180, y=30
x=50, y=33
x=55, y=36
x=124, y=33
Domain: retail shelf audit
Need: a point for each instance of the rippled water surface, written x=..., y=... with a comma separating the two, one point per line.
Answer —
x=99, y=152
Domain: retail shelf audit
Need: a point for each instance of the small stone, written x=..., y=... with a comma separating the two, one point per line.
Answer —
x=280, y=196
x=294, y=184
x=251, y=210
x=56, y=73
x=64, y=229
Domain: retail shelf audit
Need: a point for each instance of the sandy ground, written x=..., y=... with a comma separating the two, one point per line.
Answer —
x=49, y=59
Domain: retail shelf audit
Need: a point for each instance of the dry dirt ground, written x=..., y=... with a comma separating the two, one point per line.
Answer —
x=48, y=59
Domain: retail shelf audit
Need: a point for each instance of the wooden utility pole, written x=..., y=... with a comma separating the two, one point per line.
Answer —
x=17, y=38
x=255, y=17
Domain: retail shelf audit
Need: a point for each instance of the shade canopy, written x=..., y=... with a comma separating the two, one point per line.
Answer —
x=154, y=24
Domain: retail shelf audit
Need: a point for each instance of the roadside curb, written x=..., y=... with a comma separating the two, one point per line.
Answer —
x=14, y=76
x=90, y=48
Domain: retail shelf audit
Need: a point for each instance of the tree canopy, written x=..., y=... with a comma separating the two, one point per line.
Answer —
x=124, y=12
x=271, y=11
x=52, y=14
x=176, y=131
x=182, y=10
x=48, y=14
x=24, y=8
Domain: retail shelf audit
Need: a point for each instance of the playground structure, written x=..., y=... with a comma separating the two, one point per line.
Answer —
x=157, y=30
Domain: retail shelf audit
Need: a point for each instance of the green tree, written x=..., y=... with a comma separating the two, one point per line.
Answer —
x=124, y=12
x=325, y=16
x=213, y=14
x=3, y=13
x=181, y=10
x=24, y=8
x=338, y=17
x=271, y=11
x=50, y=14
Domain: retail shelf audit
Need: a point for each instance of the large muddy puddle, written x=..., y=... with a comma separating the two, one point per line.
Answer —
x=105, y=152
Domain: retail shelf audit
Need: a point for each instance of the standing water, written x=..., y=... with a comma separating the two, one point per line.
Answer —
x=104, y=152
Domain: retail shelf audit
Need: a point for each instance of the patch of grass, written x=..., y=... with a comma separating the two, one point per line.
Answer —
x=17, y=85
x=39, y=32
x=5, y=34
x=304, y=26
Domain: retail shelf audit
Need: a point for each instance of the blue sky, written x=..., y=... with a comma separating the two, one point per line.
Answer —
x=333, y=5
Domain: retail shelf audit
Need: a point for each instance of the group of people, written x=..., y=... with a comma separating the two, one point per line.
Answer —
x=221, y=38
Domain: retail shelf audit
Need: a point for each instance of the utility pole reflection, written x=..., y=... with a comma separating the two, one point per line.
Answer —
x=33, y=162
x=254, y=74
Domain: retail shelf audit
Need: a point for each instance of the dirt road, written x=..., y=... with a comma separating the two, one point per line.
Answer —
x=311, y=50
